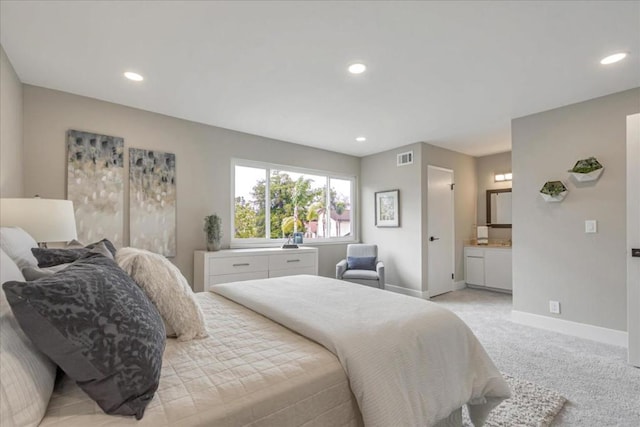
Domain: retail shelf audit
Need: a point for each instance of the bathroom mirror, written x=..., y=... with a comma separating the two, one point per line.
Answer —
x=499, y=208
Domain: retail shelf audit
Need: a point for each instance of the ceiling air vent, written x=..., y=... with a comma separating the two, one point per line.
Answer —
x=405, y=158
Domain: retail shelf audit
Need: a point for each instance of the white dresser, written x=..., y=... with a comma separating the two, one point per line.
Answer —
x=488, y=267
x=233, y=265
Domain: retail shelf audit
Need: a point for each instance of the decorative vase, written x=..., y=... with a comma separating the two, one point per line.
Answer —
x=213, y=231
x=213, y=245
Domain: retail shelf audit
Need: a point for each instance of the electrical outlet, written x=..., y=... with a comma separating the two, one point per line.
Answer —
x=591, y=226
x=554, y=307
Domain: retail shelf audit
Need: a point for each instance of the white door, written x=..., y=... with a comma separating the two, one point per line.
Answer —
x=633, y=237
x=440, y=237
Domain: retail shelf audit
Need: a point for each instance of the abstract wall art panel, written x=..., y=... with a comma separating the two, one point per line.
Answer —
x=152, y=201
x=95, y=174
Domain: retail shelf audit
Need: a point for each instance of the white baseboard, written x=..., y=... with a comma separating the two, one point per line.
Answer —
x=581, y=330
x=420, y=294
x=406, y=291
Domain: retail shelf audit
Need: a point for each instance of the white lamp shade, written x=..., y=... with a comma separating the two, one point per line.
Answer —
x=46, y=220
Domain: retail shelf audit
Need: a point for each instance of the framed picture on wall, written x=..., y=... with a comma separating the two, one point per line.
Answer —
x=388, y=208
x=95, y=185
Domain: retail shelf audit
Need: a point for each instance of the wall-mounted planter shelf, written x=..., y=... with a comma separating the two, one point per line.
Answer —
x=553, y=191
x=587, y=177
x=586, y=170
x=548, y=198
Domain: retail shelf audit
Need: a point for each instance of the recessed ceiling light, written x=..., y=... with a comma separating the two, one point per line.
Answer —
x=133, y=76
x=613, y=58
x=361, y=139
x=357, y=68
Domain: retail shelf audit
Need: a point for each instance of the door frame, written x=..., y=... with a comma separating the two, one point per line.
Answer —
x=633, y=239
x=453, y=228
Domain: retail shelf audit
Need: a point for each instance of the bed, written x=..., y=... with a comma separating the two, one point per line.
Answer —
x=249, y=371
x=253, y=371
x=291, y=351
x=409, y=362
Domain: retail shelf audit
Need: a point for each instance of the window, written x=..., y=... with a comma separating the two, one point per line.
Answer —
x=272, y=202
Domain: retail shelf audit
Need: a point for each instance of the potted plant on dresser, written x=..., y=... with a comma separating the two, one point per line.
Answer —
x=213, y=229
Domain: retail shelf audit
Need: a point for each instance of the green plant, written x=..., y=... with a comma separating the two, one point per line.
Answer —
x=287, y=225
x=586, y=165
x=553, y=188
x=213, y=227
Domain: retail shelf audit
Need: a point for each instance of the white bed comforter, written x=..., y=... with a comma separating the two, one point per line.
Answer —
x=409, y=361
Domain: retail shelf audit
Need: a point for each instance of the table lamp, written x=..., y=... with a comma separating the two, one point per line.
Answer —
x=46, y=220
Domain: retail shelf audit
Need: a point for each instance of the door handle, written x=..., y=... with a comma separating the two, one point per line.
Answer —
x=635, y=252
x=431, y=239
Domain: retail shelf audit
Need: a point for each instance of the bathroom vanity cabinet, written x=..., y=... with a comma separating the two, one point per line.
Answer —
x=488, y=267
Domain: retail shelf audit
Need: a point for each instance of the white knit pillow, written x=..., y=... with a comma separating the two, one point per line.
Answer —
x=168, y=289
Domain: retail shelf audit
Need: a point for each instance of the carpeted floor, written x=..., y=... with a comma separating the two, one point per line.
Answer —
x=601, y=388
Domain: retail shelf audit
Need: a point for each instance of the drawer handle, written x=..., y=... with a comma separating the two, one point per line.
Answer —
x=293, y=260
x=243, y=264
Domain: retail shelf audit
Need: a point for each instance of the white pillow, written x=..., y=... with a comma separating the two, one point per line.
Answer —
x=168, y=289
x=27, y=374
x=17, y=243
x=8, y=269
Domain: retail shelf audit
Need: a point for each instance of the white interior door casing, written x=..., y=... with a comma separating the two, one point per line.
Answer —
x=633, y=237
x=440, y=227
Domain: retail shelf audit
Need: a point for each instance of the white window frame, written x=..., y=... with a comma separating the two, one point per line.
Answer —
x=268, y=167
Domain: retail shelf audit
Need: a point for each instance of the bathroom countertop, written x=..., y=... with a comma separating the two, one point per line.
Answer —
x=493, y=243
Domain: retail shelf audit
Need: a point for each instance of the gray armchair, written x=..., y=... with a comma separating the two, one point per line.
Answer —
x=368, y=277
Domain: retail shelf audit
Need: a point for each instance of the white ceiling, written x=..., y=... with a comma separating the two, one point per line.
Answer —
x=449, y=73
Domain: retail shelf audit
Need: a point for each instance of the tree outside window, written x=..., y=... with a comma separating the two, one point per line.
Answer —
x=297, y=202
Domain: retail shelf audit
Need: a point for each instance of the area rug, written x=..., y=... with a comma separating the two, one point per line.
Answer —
x=530, y=405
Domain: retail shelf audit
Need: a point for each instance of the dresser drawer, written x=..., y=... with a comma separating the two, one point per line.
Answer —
x=291, y=260
x=235, y=265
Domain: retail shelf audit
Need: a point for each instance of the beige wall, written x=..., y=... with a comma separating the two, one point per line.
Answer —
x=487, y=167
x=399, y=248
x=404, y=249
x=203, y=156
x=553, y=259
x=11, y=178
x=464, y=174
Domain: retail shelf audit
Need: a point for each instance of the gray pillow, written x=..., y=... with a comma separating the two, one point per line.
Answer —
x=95, y=323
x=361, y=262
x=104, y=242
x=48, y=257
x=74, y=244
x=35, y=273
x=104, y=248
